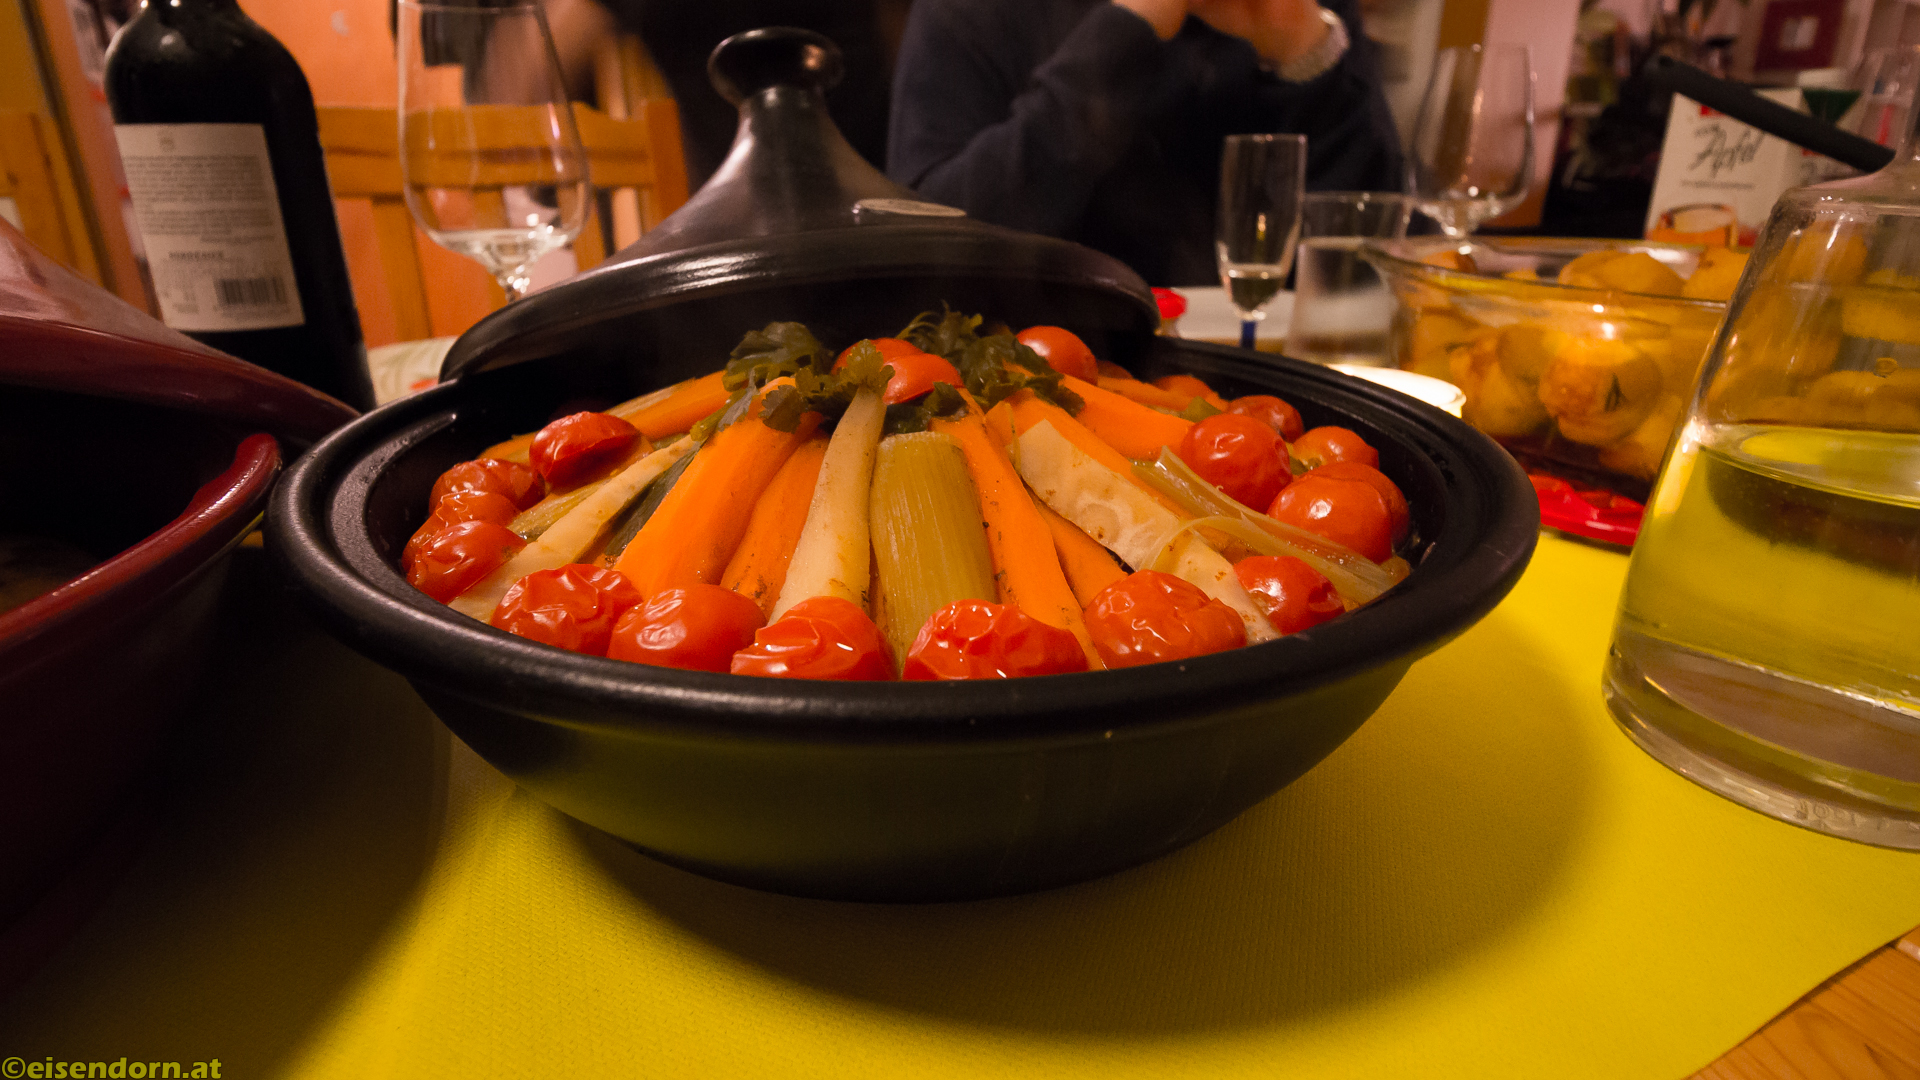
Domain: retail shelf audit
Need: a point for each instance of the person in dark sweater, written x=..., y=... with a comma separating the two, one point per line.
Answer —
x=1102, y=122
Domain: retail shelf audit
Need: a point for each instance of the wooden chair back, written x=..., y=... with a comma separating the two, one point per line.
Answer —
x=27, y=184
x=640, y=154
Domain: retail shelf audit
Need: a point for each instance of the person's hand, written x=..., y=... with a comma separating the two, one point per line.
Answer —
x=1279, y=30
x=1165, y=16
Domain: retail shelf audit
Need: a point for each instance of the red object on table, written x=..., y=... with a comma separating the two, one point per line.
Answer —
x=1172, y=305
x=1592, y=514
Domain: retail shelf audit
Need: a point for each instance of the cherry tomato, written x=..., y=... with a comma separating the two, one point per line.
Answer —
x=889, y=347
x=1062, y=350
x=573, y=607
x=454, y=508
x=824, y=637
x=518, y=483
x=1148, y=617
x=1192, y=387
x=1293, y=594
x=974, y=639
x=1326, y=445
x=1271, y=411
x=571, y=448
x=698, y=628
x=454, y=559
x=914, y=372
x=1239, y=455
x=1348, y=512
x=1398, y=513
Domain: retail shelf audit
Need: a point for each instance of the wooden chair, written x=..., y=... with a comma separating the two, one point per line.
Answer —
x=362, y=145
x=27, y=184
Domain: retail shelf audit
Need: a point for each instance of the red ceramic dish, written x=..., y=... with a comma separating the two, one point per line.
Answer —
x=150, y=453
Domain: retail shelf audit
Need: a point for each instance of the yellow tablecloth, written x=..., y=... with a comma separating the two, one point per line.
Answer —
x=1487, y=880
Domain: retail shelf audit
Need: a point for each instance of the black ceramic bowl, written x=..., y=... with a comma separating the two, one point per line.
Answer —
x=898, y=792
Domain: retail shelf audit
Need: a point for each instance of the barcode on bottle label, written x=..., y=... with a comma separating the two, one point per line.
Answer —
x=209, y=216
x=250, y=292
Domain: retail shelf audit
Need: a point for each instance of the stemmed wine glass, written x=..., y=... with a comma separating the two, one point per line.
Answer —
x=1262, y=178
x=492, y=160
x=1472, y=156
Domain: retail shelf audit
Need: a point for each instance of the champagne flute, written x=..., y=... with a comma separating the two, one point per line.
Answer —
x=1262, y=178
x=492, y=160
x=1472, y=155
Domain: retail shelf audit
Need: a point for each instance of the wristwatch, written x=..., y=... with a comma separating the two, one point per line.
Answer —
x=1318, y=60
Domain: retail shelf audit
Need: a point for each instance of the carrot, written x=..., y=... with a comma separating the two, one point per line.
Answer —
x=1193, y=386
x=519, y=448
x=1000, y=423
x=1029, y=410
x=759, y=565
x=685, y=405
x=1025, y=567
x=1089, y=567
x=1135, y=430
x=1146, y=393
x=698, y=525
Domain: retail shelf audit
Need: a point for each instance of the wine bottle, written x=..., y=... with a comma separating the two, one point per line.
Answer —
x=229, y=186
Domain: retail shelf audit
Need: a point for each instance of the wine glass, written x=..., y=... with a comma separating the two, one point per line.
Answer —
x=1472, y=153
x=492, y=160
x=1262, y=178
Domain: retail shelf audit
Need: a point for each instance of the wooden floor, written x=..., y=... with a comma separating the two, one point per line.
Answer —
x=1862, y=1024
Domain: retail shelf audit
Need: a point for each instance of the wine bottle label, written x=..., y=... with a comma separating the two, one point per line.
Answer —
x=204, y=200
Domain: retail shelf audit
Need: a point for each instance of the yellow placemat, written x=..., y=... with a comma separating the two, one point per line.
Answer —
x=1487, y=880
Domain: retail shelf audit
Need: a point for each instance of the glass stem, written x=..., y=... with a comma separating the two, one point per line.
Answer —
x=515, y=282
x=1247, y=329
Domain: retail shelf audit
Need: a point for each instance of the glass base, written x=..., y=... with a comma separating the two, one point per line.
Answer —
x=1661, y=696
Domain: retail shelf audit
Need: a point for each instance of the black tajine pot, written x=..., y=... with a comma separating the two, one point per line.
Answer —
x=899, y=792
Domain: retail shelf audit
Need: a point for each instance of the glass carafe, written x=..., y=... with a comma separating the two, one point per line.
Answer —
x=1768, y=639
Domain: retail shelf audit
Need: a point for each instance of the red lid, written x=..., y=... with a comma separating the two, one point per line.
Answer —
x=1592, y=514
x=59, y=331
x=1172, y=304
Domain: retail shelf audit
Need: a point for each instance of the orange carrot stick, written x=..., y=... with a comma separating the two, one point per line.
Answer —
x=1146, y=393
x=1025, y=566
x=687, y=405
x=759, y=564
x=1090, y=568
x=999, y=422
x=697, y=527
x=1135, y=430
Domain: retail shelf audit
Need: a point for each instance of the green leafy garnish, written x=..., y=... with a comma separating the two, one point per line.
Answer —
x=781, y=348
x=993, y=366
x=943, y=402
x=826, y=392
x=947, y=334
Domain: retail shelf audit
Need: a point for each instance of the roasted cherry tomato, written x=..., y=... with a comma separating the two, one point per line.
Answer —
x=914, y=372
x=824, y=637
x=519, y=483
x=1148, y=617
x=454, y=508
x=1191, y=386
x=1398, y=513
x=1239, y=455
x=1326, y=445
x=571, y=448
x=1271, y=411
x=1293, y=594
x=696, y=627
x=573, y=607
x=1062, y=350
x=974, y=639
x=1348, y=512
x=454, y=559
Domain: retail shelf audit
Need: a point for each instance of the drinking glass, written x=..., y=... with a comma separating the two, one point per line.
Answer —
x=1472, y=155
x=1342, y=311
x=1261, y=182
x=1765, y=645
x=491, y=158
